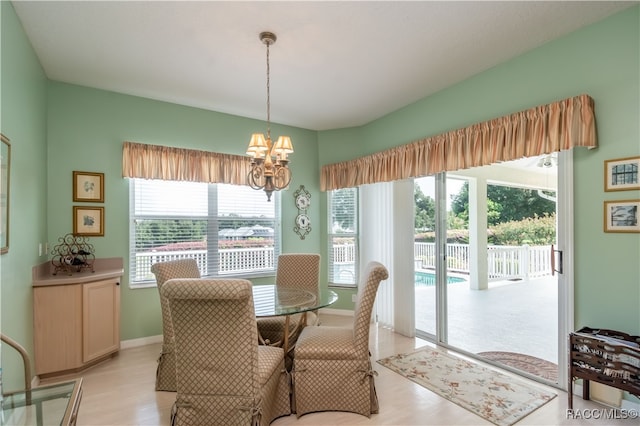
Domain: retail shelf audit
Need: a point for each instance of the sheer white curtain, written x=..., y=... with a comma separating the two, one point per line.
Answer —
x=386, y=235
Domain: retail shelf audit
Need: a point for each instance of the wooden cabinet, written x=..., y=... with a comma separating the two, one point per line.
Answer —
x=76, y=322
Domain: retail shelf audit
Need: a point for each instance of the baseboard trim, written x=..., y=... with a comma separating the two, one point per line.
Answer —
x=142, y=341
x=342, y=312
x=626, y=404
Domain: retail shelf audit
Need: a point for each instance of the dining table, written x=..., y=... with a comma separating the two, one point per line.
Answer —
x=271, y=300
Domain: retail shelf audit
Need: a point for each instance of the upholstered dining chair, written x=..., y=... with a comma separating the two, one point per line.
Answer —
x=295, y=270
x=164, y=271
x=332, y=365
x=223, y=376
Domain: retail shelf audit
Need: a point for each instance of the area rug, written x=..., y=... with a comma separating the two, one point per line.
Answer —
x=531, y=364
x=492, y=395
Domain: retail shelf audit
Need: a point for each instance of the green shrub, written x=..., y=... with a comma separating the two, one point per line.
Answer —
x=532, y=231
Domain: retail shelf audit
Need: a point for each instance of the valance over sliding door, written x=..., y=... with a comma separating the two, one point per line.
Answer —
x=541, y=130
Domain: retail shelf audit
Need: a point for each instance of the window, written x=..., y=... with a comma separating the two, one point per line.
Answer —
x=230, y=230
x=343, y=237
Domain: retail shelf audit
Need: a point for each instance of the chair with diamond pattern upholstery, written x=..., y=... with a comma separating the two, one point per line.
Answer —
x=223, y=376
x=295, y=270
x=332, y=368
x=163, y=271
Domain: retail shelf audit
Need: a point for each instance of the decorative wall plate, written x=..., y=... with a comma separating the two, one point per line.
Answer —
x=302, y=199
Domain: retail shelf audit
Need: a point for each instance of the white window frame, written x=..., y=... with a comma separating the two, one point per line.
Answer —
x=350, y=278
x=210, y=266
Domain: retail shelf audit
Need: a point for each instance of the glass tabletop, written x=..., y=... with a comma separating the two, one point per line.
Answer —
x=269, y=300
x=49, y=405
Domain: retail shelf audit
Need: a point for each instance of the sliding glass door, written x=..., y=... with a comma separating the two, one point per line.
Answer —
x=429, y=255
x=484, y=283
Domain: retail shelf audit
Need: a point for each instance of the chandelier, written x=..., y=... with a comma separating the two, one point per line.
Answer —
x=269, y=164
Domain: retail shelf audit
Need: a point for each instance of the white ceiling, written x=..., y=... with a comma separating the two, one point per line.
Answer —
x=334, y=65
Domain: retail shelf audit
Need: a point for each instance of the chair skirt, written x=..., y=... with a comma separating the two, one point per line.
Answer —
x=272, y=402
x=166, y=370
x=198, y=410
x=334, y=385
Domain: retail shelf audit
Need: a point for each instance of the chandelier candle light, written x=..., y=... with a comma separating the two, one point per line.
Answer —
x=269, y=164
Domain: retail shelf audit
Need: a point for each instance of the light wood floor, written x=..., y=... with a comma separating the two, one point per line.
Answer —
x=120, y=391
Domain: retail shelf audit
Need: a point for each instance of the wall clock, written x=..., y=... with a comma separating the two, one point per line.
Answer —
x=303, y=201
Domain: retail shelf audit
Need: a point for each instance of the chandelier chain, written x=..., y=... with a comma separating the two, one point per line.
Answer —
x=268, y=96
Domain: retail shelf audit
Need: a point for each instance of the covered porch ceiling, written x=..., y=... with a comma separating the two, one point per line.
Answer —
x=539, y=172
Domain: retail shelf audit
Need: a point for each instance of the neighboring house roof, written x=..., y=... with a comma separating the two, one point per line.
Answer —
x=246, y=231
x=242, y=232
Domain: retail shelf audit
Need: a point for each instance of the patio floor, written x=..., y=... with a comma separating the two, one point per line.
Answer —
x=510, y=316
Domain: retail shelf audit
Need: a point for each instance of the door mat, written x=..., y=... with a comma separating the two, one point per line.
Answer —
x=531, y=364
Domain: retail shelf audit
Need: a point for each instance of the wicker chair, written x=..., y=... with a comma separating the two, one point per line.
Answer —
x=332, y=365
x=223, y=376
x=164, y=271
x=295, y=270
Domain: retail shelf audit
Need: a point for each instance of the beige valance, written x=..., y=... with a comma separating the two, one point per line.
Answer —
x=541, y=130
x=162, y=162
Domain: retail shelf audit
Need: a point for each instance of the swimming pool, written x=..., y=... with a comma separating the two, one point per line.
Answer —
x=427, y=279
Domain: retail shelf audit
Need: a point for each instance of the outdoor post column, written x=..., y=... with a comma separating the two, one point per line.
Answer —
x=479, y=274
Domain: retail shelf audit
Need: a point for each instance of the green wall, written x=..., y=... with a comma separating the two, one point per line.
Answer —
x=86, y=128
x=602, y=60
x=56, y=128
x=23, y=117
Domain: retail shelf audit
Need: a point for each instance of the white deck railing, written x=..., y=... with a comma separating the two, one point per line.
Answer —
x=505, y=262
x=231, y=260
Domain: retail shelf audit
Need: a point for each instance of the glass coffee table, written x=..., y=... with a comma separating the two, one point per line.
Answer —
x=55, y=404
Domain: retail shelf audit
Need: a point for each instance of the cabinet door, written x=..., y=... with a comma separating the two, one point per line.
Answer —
x=100, y=318
x=57, y=319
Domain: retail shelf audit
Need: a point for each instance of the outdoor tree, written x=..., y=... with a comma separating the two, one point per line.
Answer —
x=425, y=210
x=504, y=204
x=343, y=208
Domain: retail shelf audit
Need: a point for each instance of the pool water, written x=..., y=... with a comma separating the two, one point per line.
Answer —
x=427, y=279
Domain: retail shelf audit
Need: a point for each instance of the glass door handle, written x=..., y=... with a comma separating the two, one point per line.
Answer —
x=553, y=261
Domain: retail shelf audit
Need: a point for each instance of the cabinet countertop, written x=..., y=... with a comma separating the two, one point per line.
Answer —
x=104, y=268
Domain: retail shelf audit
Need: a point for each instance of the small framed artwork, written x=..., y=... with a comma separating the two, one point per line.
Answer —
x=88, y=221
x=621, y=216
x=88, y=187
x=621, y=174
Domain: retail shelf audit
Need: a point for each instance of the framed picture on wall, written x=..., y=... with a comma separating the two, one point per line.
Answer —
x=5, y=164
x=621, y=216
x=88, y=187
x=88, y=221
x=621, y=174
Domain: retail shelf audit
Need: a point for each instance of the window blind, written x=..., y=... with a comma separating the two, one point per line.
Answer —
x=229, y=229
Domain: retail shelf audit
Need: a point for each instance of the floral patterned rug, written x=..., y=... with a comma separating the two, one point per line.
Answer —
x=492, y=395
